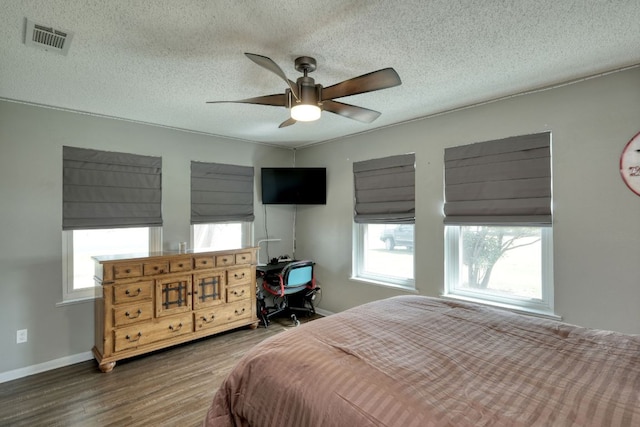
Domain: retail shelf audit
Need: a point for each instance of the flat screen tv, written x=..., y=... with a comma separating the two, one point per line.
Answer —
x=294, y=186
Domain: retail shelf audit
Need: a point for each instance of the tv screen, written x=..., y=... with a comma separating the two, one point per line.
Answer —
x=294, y=186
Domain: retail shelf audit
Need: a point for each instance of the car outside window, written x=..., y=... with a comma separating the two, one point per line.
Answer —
x=397, y=235
x=384, y=254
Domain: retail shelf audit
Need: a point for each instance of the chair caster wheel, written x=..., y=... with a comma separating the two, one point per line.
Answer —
x=295, y=320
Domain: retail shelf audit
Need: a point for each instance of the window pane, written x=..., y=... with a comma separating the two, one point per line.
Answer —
x=387, y=251
x=114, y=241
x=217, y=236
x=501, y=261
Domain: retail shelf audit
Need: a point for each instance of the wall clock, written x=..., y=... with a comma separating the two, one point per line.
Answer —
x=630, y=164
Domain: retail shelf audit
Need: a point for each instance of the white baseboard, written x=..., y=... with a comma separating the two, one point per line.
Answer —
x=46, y=366
x=323, y=312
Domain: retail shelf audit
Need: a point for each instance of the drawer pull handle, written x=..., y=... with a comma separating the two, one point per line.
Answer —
x=180, y=265
x=239, y=312
x=205, y=320
x=139, y=312
x=224, y=260
x=127, y=271
x=236, y=293
x=156, y=268
x=127, y=292
x=204, y=262
x=137, y=337
x=238, y=276
x=175, y=329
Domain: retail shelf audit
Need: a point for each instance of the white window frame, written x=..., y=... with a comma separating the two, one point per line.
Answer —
x=246, y=230
x=69, y=293
x=543, y=307
x=359, y=273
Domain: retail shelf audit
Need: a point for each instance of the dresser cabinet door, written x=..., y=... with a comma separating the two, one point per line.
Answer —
x=173, y=295
x=208, y=288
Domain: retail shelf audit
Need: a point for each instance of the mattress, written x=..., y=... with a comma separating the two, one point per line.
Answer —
x=420, y=361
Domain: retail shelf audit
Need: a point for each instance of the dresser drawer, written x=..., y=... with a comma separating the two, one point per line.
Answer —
x=177, y=265
x=130, y=292
x=237, y=293
x=132, y=313
x=151, y=268
x=125, y=271
x=243, y=258
x=238, y=276
x=222, y=314
x=204, y=262
x=149, y=332
x=225, y=260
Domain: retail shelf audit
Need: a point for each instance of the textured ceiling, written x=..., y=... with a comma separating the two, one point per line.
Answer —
x=159, y=61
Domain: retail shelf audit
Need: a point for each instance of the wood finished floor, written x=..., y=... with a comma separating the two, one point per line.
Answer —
x=171, y=387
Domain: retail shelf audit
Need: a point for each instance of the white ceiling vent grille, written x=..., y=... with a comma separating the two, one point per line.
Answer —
x=47, y=38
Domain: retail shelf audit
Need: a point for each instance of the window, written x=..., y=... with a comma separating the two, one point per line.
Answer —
x=506, y=265
x=384, y=220
x=498, y=228
x=384, y=254
x=218, y=236
x=79, y=246
x=221, y=193
x=221, y=206
x=111, y=204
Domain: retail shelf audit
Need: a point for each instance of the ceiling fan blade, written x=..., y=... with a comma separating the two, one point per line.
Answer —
x=354, y=112
x=375, y=80
x=288, y=122
x=277, y=100
x=270, y=65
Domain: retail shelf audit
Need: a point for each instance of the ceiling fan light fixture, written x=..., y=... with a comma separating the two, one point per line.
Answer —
x=305, y=112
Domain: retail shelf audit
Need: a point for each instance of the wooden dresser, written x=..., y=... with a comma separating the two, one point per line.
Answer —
x=156, y=301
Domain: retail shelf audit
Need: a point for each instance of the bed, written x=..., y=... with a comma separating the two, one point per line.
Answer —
x=420, y=361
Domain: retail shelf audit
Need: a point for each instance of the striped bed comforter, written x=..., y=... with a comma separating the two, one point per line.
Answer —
x=419, y=361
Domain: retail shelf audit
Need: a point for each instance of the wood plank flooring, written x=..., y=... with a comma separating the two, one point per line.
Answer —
x=171, y=387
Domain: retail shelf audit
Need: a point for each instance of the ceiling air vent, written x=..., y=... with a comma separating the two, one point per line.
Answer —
x=47, y=38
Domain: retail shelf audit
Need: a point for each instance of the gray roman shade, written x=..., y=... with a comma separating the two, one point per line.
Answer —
x=221, y=193
x=385, y=190
x=506, y=181
x=103, y=189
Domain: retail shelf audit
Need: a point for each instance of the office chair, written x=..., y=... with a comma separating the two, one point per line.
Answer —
x=292, y=290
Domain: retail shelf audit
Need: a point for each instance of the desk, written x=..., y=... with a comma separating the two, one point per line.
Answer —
x=292, y=292
x=262, y=270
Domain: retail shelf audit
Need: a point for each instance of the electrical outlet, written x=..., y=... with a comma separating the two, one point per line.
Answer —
x=21, y=336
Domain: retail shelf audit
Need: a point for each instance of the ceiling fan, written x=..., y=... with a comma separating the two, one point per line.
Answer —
x=306, y=99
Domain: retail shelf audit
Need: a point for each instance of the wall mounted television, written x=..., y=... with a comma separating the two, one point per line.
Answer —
x=294, y=186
